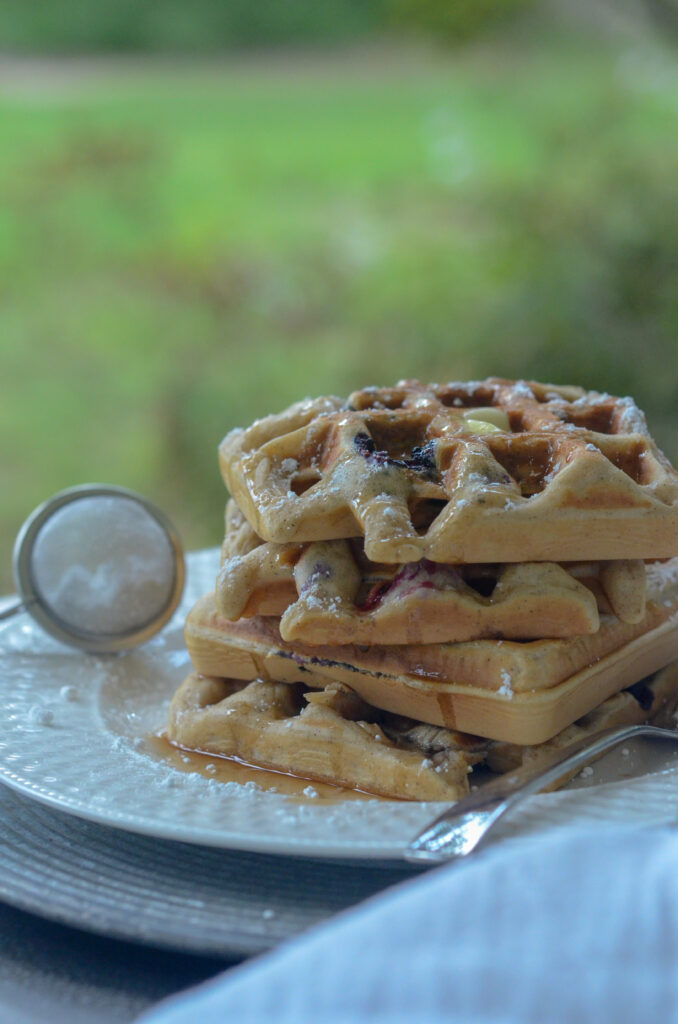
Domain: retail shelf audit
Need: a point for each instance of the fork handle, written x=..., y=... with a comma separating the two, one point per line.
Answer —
x=465, y=826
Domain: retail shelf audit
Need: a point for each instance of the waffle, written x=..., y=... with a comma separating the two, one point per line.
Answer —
x=523, y=692
x=329, y=735
x=651, y=700
x=538, y=664
x=490, y=471
x=334, y=736
x=328, y=593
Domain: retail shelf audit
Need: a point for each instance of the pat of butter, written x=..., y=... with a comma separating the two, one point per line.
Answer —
x=482, y=427
x=488, y=420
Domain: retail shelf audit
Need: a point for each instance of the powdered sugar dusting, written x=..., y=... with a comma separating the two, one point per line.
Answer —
x=506, y=688
x=39, y=715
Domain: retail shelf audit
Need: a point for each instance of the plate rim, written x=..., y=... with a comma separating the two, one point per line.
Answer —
x=367, y=850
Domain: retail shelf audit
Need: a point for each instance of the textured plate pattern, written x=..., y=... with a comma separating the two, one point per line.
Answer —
x=168, y=894
x=73, y=737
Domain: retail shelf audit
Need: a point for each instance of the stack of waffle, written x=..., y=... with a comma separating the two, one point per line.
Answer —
x=422, y=579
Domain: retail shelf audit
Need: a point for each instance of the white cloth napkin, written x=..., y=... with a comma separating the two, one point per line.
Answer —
x=573, y=928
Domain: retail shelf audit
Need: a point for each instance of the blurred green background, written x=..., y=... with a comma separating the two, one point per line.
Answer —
x=210, y=210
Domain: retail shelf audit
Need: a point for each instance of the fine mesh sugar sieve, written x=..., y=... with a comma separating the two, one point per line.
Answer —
x=98, y=567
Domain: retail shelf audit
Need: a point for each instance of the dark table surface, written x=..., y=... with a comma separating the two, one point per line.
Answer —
x=51, y=974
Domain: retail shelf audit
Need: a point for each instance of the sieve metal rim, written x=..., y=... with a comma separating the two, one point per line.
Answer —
x=33, y=601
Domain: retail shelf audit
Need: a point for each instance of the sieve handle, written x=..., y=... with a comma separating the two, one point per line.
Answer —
x=14, y=609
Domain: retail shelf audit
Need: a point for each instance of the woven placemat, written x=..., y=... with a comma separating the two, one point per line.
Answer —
x=168, y=894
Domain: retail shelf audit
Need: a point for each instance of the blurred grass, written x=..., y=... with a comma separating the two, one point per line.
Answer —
x=183, y=248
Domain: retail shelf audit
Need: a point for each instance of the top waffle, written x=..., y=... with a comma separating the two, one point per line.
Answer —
x=489, y=471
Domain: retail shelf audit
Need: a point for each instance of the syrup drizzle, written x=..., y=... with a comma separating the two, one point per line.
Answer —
x=226, y=769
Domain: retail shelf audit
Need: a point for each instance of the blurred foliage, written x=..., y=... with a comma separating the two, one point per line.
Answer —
x=195, y=26
x=181, y=25
x=457, y=21
x=184, y=250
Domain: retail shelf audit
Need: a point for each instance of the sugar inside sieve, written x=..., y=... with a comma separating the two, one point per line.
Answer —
x=98, y=567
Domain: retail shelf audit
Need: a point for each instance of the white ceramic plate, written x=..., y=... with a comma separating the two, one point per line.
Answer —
x=73, y=737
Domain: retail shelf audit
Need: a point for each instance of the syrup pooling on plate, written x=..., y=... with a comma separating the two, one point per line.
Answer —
x=226, y=769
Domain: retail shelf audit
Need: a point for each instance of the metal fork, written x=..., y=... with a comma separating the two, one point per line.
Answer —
x=465, y=826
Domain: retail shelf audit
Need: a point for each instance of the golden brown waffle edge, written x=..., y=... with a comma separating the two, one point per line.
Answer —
x=519, y=692
x=329, y=593
x=333, y=736
x=425, y=471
